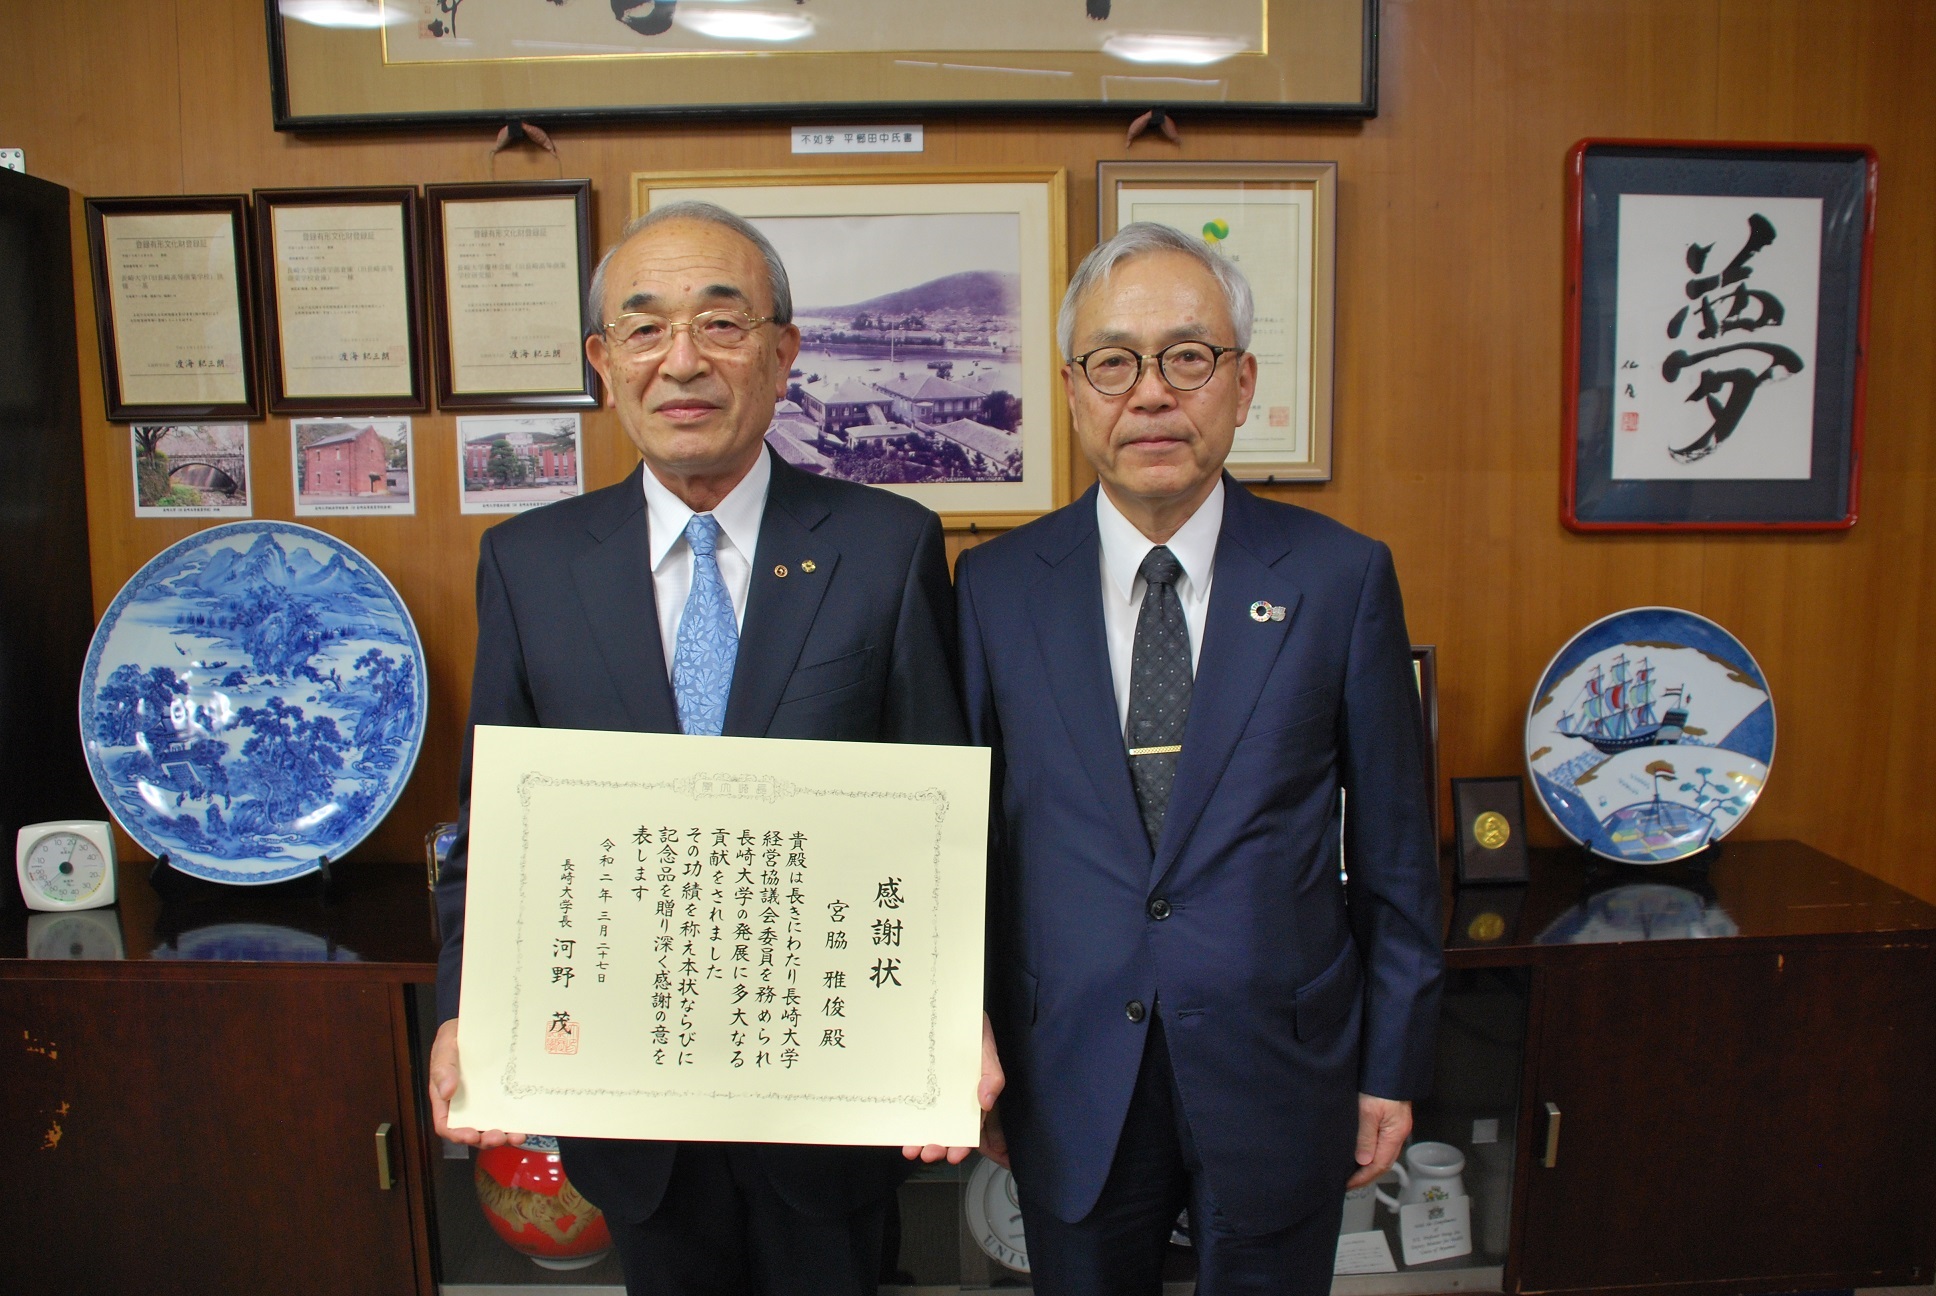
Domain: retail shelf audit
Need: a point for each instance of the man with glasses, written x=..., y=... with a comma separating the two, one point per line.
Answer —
x=1180, y=681
x=715, y=590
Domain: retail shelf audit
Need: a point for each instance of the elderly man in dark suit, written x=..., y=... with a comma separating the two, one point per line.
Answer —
x=1178, y=679
x=714, y=590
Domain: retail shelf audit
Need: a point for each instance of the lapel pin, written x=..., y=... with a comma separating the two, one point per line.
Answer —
x=807, y=566
x=1262, y=611
x=780, y=571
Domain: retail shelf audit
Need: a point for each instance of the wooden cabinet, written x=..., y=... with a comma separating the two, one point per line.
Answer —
x=1741, y=1055
x=204, y=1127
x=1732, y=1116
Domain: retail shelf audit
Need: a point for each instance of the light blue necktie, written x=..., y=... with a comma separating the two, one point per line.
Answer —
x=702, y=664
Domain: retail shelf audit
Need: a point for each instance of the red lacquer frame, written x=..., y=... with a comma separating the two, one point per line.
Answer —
x=1695, y=150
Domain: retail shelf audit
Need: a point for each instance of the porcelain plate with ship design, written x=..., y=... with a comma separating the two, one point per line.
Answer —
x=1650, y=735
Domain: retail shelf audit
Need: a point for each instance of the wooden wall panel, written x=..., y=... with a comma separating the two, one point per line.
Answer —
x=1450, y=247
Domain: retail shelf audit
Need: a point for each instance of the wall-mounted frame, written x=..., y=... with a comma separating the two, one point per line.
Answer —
x=174, y=307
x=926, y=305
x=1716, y=328
x=1278, y=221
x=1425, y=672
x=490, y=60
x=509, y=266
x=339, y=272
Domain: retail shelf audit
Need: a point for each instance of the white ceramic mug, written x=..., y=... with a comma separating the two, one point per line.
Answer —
x=1427, y=1172
x=1359, y=1206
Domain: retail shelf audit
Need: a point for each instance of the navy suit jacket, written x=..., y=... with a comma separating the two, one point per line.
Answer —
x=1284, y=989
x=859, y=647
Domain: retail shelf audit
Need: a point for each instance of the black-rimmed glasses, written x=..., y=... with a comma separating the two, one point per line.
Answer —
x=1186, y=366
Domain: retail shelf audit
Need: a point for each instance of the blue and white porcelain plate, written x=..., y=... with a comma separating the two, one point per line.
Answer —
x=254, y=700
x=1650, y=735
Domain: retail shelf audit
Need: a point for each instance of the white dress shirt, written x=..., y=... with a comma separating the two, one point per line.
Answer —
x=1123, y=551
x=738, y=516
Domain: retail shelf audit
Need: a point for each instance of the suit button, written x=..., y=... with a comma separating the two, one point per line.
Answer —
x=1159, y=909
x=1134, y=1010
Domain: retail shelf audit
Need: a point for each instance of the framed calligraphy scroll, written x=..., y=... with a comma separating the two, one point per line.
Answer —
x=172, y=301
x=509, y=267
x=480, y=61
x=1716, y=327
x=339, y=272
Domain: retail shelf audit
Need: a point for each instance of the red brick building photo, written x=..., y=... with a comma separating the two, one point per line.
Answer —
x=351, y=463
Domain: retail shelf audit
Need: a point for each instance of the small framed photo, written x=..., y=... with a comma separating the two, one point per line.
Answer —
x=339, y=271
x=507, y=463
x=352, y=466
x=1489, y=829
x=1278, y=221
x=1717, y=321
x=198, y=470
x=509, y=266
x=173, y=309
x=926, y=306
x=1425, y=673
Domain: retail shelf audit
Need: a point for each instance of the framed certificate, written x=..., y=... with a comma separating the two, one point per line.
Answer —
x=1278, y=221
x=172, y=300
x=510, y=264
x=339, y=273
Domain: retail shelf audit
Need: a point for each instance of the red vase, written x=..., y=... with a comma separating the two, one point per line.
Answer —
x=534, y=1208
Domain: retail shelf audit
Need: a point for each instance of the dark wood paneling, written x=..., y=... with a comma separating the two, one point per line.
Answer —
x=202, y=1136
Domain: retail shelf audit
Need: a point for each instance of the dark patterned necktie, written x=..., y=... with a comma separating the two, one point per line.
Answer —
x=1159, y=689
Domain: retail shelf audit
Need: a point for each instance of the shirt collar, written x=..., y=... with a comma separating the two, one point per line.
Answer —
x=738, y=514
x=1124, y=547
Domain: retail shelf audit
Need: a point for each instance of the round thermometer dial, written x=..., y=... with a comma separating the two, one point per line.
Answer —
x=66, y=867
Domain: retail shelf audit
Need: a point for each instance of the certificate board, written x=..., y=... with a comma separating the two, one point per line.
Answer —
x=744, y=939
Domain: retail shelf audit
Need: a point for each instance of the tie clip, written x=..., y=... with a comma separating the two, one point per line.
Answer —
x=1171, y=750
x=1263, y=611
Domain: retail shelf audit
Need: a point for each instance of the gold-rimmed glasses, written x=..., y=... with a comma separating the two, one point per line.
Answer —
x=1185, y=366
x=640, y=336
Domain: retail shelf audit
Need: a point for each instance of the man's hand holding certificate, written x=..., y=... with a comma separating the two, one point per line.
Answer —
x=752, y=940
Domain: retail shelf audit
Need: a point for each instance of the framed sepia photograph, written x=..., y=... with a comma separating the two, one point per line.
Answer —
x=1716, y=327
x=339, y=271
x=1278, y=221
x=419, y=62
x=509, y=266
x=173, y=307
x=926, y=304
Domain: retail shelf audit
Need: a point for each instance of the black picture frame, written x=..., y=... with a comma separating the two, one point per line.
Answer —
x=404, y=198
x=585, y=393
x=1320, y=60
x=1693, y=350
x=1489, y=829
x=1425, y=672
x=124, y=406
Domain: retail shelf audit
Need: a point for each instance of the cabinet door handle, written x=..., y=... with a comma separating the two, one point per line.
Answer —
x=1552, y=1157
x=384, y=1179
